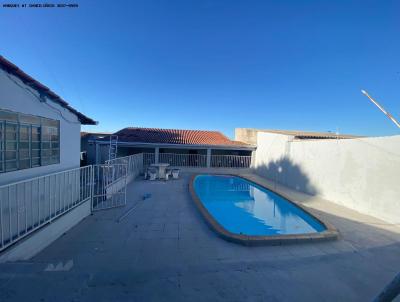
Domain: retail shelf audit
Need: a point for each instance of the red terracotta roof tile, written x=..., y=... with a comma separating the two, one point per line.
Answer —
x=175, y=136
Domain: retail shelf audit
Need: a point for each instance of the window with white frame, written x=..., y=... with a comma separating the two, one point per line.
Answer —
x=27, y=141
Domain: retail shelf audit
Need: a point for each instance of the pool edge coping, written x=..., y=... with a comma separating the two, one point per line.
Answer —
x=331, y=233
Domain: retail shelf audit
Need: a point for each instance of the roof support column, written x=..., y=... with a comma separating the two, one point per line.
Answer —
x=208, y=158
x=156, y=154
x=253, y=159
x=97, y=153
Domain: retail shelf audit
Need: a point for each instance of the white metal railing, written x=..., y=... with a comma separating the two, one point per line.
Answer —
x=198, y=160
x=148, y=159
x=183, y=160
x=109, y=185
x=28, y=205
x=134, y=164
x=230, y=161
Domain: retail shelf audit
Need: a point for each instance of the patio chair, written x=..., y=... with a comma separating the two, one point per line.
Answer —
x=147, y=173
x=152, y=174
x=168, y=174
x=175, y=173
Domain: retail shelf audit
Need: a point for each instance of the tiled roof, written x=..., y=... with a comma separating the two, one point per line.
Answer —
x=309, y=135
x=28, y=80
x=84, y=133
x=176, y=136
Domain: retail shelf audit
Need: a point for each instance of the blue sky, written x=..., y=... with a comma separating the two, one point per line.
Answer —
x=216, y=64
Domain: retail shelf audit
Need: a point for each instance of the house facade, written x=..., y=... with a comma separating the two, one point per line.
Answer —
x=191, y=148
x=39, y=131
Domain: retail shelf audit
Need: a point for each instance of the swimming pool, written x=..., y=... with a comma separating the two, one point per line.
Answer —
x=240, y=207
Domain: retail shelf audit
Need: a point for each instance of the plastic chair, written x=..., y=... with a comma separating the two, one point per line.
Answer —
x=175, y=173
x=152, y=174
x=168, y=174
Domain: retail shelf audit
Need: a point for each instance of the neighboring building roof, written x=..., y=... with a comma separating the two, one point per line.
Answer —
x=298, y=134
x=28, y=80
x=176, y=136
x=96, y=134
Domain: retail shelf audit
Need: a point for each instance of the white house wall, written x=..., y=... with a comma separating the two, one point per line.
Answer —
x=15, y=98
x=362, y=174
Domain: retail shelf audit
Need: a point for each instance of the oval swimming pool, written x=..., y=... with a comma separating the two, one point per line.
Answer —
x=244, y=208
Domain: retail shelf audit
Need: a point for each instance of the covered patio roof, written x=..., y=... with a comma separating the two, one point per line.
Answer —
x=175, y=138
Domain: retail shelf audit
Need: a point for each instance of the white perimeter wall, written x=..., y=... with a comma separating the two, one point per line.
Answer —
x=15, y=98
x=362, y=174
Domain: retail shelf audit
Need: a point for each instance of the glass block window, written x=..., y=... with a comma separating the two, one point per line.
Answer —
x=24, y=146
x=11, y=143
x=50, y=145
x=35, y=145
x=27, y=141
x=2, y=152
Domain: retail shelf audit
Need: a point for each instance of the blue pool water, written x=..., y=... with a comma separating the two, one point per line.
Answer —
x=243, y=207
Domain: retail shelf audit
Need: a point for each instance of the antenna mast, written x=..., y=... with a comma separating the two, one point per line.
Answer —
x=381, y=108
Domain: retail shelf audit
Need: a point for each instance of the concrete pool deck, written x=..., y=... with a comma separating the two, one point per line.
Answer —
x=164, y=251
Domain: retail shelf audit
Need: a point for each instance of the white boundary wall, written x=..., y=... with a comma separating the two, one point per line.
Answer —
x=361, y=174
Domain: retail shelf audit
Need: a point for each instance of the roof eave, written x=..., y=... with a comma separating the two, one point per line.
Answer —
x=42, y=89
x=83, y=118
x=185, y=146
